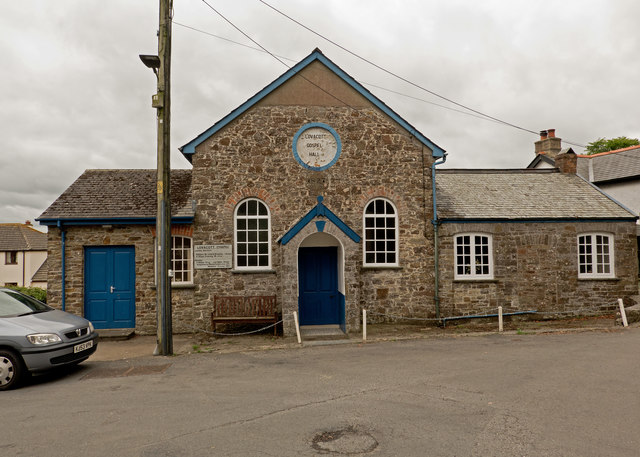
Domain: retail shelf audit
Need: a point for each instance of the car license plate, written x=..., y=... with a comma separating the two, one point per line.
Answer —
x=82, y=346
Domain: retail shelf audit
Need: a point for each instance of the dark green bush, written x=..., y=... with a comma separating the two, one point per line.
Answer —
x=35, y=292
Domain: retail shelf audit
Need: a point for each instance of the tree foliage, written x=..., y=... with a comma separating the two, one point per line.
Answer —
x=611, y=144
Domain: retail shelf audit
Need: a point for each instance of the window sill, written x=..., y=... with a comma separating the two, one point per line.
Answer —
x=613, y=278
x=183, y=286
x=244, y=272
x=382, y=267
x=462, y=280
x=178, y=286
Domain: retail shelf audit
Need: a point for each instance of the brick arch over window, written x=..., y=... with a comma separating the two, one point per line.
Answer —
x=252, y=235
x=177, y=230
x=382, y=192
x=249, y=192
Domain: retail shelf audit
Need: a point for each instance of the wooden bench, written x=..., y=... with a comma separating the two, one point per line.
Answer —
x=255, y=309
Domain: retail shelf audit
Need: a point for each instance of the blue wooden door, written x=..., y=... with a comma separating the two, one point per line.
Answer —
x=318, y=281
x=109, y=276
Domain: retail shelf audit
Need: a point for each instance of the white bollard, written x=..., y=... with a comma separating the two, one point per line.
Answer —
x=364, y=324
x=500, y=327
x=295, y=319
x=623, y=313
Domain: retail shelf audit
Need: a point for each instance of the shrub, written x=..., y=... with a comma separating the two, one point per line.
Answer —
x=35, y=292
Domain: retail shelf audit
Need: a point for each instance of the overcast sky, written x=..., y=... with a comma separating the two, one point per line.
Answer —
x=74, y=94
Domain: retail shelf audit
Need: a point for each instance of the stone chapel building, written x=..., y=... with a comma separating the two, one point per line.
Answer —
x=317, y=192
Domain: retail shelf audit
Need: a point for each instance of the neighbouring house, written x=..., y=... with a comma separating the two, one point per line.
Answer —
x=317, y=192
x=617, y=172
x=23, y=255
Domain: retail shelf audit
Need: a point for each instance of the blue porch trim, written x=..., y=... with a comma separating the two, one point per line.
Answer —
x=113, y=221
x=319, y=210
x=190, y=148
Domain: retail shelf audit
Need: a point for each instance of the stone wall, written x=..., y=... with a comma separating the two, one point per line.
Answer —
x=536, y=268
x=139, y=236
x=252, y=157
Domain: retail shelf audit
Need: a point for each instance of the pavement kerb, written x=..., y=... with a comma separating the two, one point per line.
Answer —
x=183, y=344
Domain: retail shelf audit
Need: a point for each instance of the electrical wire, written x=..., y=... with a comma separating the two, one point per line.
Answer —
x=500, y=121
x=227, y=39
x=362, y=82
x=408, y=134
x=281, y=59
x=395, y=75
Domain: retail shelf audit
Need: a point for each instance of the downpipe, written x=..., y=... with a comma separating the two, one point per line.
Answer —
x=436, y=223
x=64, y=273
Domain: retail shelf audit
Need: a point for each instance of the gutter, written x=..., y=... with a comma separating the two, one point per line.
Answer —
x=436, y=223
x=64, y=240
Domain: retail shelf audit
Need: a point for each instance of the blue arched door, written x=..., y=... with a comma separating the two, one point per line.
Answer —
x=319, y=298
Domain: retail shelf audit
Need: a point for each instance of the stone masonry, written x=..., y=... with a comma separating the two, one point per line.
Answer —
x=140, y=236
x=252, y=157
x=536, y=268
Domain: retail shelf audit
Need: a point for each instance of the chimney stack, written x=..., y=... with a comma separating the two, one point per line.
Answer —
x=548, y=144
x=567, y=162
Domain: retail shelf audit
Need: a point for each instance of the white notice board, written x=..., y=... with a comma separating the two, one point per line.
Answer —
x=212, y=256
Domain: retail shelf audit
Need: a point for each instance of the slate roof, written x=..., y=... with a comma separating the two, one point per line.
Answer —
x=610, y=166
x=21, y=237
x=527, y=194
x=118, y=194
x=41, y=274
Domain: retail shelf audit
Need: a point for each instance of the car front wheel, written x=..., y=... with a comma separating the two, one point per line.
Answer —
x=11, y=369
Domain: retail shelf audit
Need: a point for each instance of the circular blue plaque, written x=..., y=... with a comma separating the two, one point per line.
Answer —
x=316, y=146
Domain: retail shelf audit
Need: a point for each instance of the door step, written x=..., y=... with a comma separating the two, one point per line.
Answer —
x=328, y=334
x=115, y=334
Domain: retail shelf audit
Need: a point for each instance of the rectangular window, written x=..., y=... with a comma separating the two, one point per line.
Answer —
x=11, y=258
x=595, y=256
x=181, y=260
x=473, y=257
x=181, y=263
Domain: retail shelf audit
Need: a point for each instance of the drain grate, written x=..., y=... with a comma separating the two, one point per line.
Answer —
x=118, y=372
x=346, y=441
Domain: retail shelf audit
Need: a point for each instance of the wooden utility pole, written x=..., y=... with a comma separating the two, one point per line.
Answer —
x=163, y=216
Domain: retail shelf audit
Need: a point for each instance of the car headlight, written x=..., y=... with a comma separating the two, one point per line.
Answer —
x=91, y=329
x=43, y=338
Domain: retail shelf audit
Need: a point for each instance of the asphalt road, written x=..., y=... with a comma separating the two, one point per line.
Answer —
x=496, y=395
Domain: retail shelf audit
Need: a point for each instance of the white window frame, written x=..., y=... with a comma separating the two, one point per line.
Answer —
x=385, y=239
x=471, y=273
x=594, y=263
x=173, y=260
x=245, y=245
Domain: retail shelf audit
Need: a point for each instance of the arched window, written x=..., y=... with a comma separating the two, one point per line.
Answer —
x=252, y=235
x=380, y=233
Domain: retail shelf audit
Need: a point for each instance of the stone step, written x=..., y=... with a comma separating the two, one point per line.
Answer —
x=322, y=333
x=116, y=334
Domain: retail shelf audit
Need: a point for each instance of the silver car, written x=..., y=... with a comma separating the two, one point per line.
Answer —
x=35, y=337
